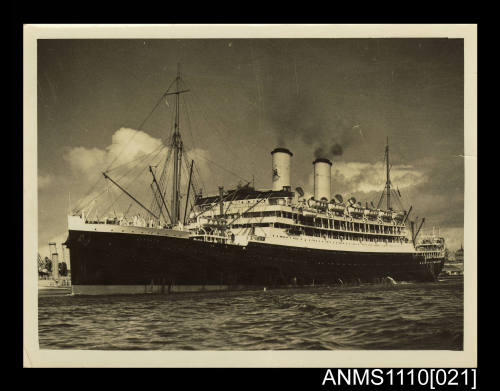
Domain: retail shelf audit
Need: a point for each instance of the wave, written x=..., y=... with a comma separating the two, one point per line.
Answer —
x=406, y=316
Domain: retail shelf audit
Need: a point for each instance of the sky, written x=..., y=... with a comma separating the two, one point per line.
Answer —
x=334, y=98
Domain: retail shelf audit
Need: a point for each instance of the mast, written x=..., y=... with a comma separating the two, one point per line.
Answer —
x=177, y=145
x=177, y=148
x=388, y=179
x=387, y=187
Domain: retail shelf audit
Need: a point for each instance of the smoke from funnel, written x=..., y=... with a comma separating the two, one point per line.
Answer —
x=328, y=152
x=329, y=136
x=290, y=103
x=298, y=118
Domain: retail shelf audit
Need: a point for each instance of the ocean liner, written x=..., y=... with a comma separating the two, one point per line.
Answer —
x=243, y=238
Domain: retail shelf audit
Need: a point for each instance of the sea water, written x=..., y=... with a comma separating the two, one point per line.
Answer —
x=394, y=317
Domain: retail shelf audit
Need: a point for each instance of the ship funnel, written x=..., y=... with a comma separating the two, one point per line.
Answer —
x=281, y=169
x=322, y=179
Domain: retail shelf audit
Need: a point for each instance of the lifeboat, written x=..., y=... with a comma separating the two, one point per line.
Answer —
x=386, y=215
x=355, y=211
x=398, y=216
x=338, y=208
x=321, y=205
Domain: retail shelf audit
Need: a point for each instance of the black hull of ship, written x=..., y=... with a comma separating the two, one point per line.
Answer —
x=103, y=262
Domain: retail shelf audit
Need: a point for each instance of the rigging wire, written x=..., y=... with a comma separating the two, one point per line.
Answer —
x=203, y=109
x=190, y=126
x=119, y=178
x=162, y=188
x=201, y=178
x=398, y=199
x=225, y=169
x=130, y=180
x=137, y=158
x=164, y=171
x=159, y=149
x=141, y=158
x=164, y=175
x=120, y=196
x=202, y=106
x=194, y=177
x=141, y=125
x=78, y=207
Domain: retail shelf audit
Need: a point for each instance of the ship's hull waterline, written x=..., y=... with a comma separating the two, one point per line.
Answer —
x=122, y=263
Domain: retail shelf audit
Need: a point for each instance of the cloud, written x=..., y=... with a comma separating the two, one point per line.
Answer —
x=127, y=160
x=441, y=198
x=355, y=177
x=126, y=145
x=84, y=161
x=44, y=181
x=122, y=158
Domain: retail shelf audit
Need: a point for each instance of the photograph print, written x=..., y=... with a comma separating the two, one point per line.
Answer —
x=250, y=194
